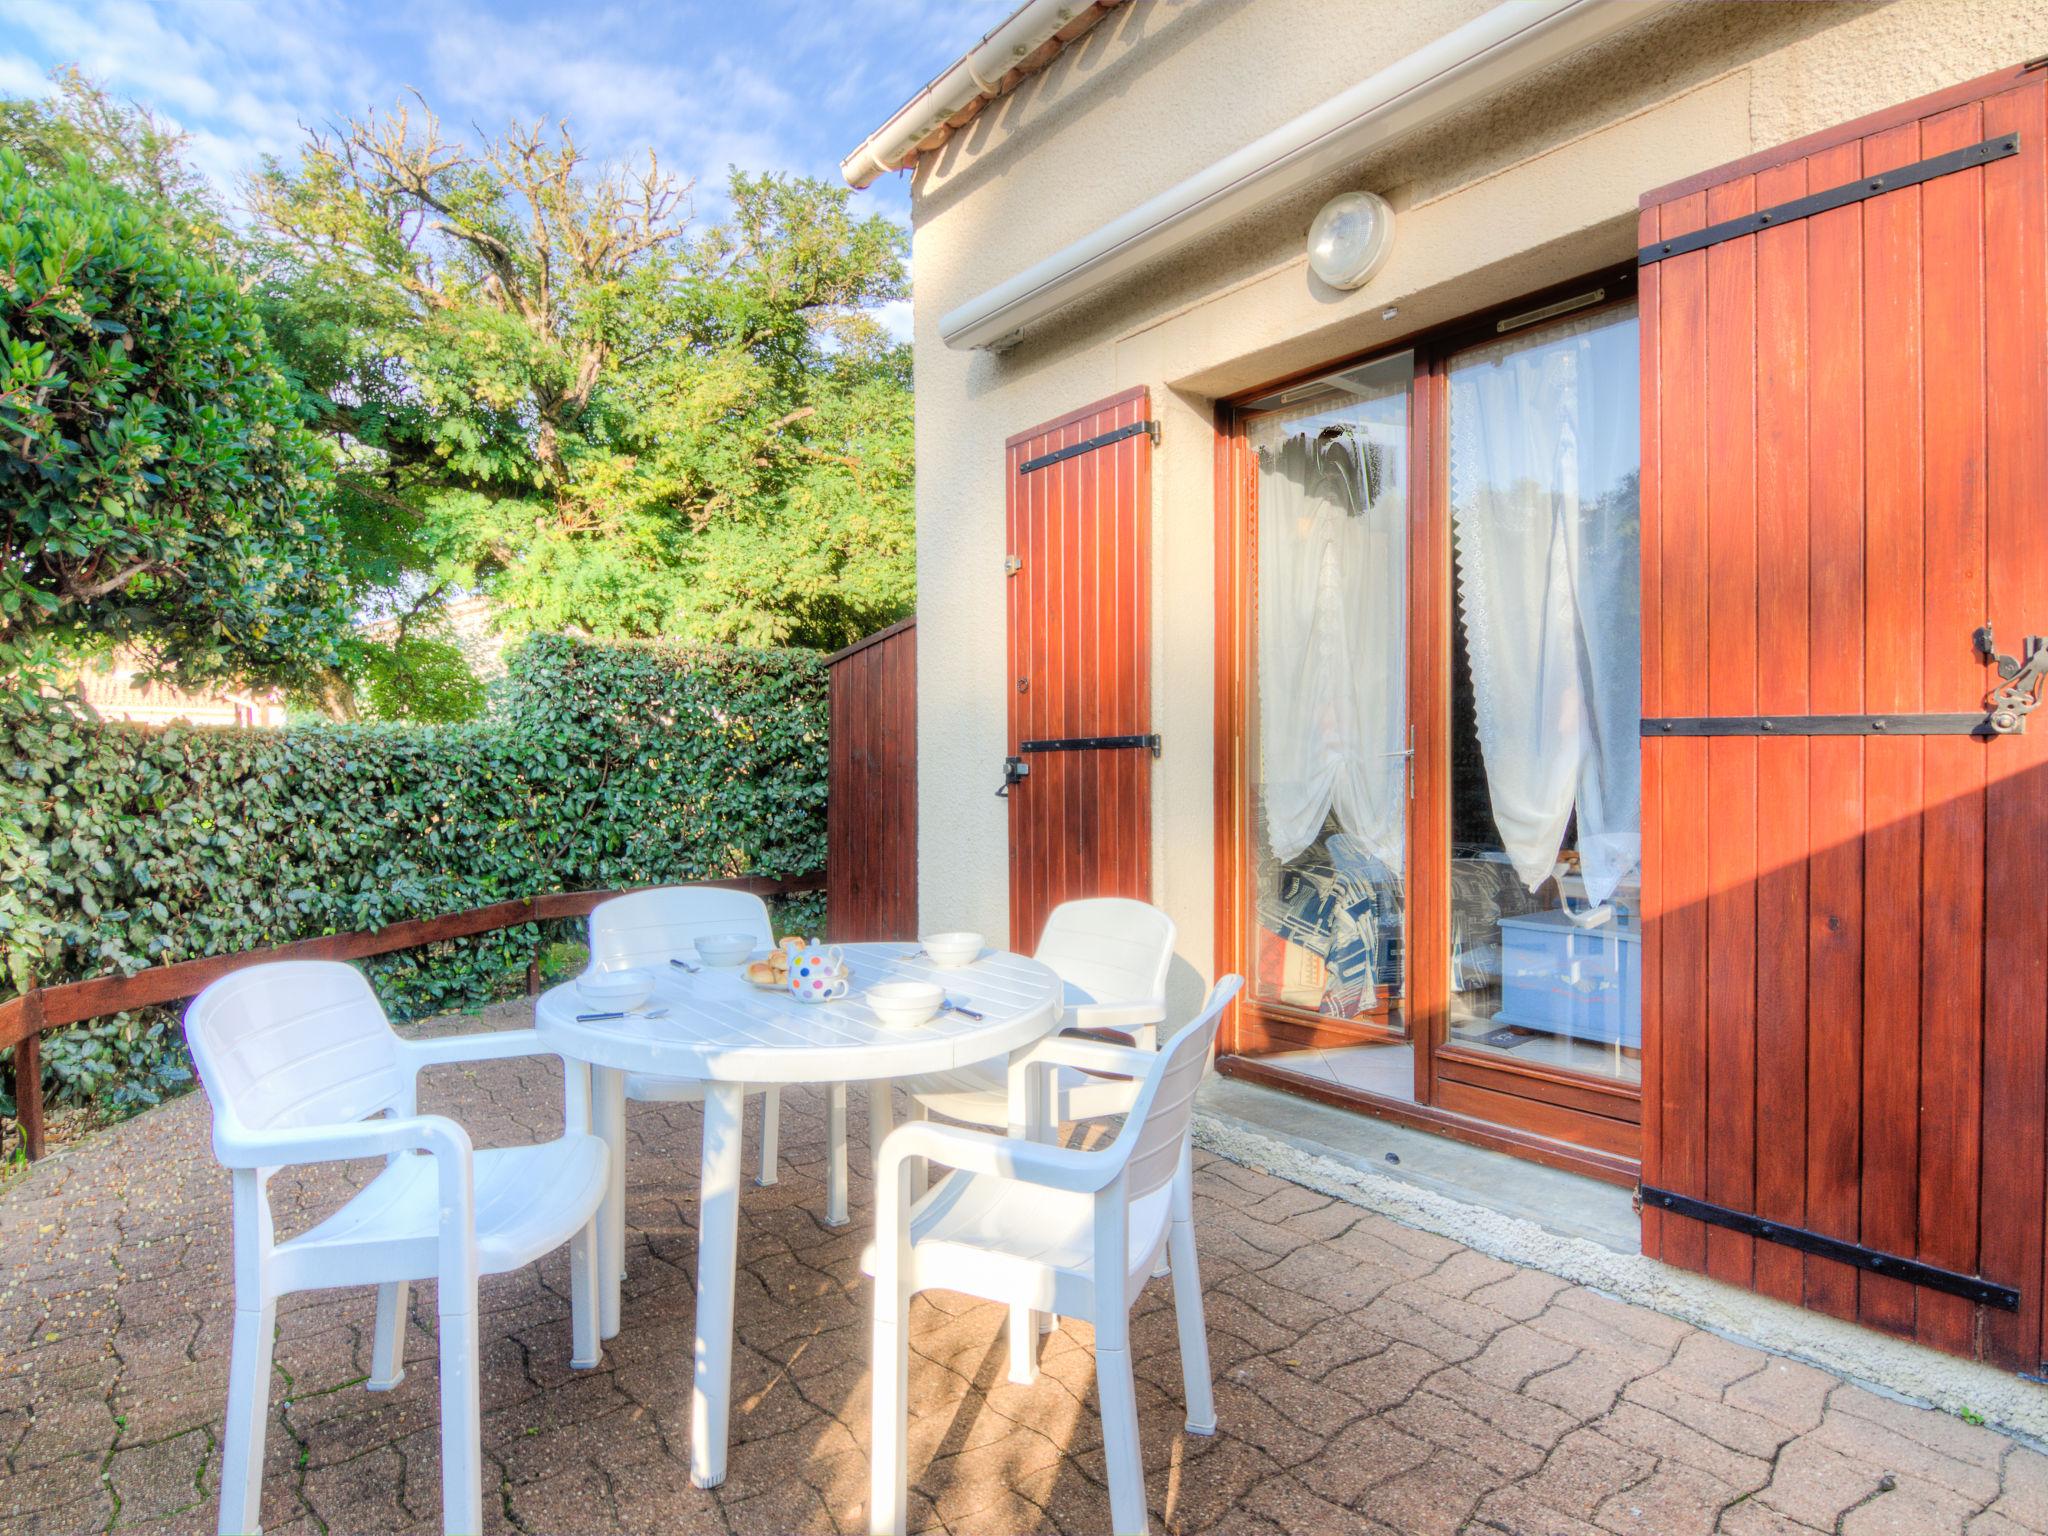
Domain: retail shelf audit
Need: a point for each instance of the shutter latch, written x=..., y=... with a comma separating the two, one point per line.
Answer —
x=2010, y=704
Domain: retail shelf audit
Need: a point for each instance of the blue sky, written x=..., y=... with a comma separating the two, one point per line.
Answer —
x=786, y=85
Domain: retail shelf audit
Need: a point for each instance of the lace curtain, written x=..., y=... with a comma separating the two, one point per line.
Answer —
x=1331, y=632
x=1544, y=485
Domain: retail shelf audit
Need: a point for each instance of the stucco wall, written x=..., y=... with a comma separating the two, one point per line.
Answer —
x=1536, y=187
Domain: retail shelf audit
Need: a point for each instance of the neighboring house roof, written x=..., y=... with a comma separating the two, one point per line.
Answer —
x=1035, y=34
x=119, y=689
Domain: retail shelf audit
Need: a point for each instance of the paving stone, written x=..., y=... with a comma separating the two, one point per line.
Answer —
x=2024, y=1501
x=1293, y=1507
x=1747, y=1517
x=158, y=1480
x=1942, y=1433
x=1584, y=1471
x=1457, y=1428
x=91, y=1513
x=1910, y=1509
x=1516, y=1511
x=1677, y=1441
x=1363, y=1455
x=1862, y=1436
x=1521, y=1294
x=1674, y=1500
x=1817, y=1485
x=1515, y=1356
x=1708, y=1364
x=1736, y=1428
x=1434, y=1499
x=1785, y=1392
x=53, y=1485
x=1369, y=1378
x=1585, y=1386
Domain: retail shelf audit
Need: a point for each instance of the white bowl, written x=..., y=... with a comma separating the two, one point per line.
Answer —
x=904, y=1004
x=725, y=949
x=623, y=989
x=951, y=949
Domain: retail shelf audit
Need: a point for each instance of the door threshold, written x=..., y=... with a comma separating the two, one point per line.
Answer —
x=1526, y=1146
x=1571, y=1204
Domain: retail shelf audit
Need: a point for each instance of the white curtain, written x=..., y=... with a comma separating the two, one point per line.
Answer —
x=1544, y=459
x=1331, y=633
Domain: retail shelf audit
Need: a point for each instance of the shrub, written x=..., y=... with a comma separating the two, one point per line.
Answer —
x=123, y=847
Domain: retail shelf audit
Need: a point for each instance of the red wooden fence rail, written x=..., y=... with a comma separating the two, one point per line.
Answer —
x=23, y=1019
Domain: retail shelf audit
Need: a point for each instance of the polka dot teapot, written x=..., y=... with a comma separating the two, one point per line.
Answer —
x=817, y=974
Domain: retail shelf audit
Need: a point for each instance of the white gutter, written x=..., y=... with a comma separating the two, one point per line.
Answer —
x=1492, y=51
x=1030, y=26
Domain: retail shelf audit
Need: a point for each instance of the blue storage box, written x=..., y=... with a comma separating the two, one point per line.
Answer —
x=1566, y=980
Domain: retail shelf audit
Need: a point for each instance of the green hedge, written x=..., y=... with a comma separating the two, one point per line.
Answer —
x=123, y=847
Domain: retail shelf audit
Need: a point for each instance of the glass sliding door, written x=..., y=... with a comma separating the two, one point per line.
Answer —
x=1545, y=709
x=1326, y=728
x=1429, y=641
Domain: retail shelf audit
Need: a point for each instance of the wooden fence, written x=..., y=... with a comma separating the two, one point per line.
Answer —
x=23, y=1019
x=871, y=817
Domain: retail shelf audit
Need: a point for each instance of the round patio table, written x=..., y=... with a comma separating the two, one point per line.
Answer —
x=726, y=1033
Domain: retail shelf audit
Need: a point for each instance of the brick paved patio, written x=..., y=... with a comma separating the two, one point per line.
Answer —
x=1370, y=1377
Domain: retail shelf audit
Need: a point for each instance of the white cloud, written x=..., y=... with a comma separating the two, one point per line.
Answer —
x=22, y=76
x=896, y=318
x=769, y=85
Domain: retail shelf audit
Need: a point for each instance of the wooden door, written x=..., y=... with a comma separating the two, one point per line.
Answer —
x=871, y=807
x=1845, y=376
x=1079, y=678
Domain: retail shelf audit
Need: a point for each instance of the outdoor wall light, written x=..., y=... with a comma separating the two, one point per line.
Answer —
x=1351, y=238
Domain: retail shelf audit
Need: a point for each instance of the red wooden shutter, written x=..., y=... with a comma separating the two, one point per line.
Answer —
x=1844, y=470
x=1080, y=492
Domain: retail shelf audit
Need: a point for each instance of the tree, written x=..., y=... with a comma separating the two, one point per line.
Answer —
x=543, y=384
x=123, y=145
x=156, y=484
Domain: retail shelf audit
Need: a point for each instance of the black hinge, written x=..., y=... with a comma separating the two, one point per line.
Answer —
x=1090, y=744
x=1834, y=197
x=1819, y=725
x=1975, y=1288
x=1089, y=445
x=2004, y=713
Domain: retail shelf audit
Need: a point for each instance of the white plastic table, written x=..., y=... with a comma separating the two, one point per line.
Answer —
x=726, y=1033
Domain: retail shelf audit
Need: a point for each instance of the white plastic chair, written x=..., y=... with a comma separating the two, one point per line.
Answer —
x=647, y=929
x=1112, y=953
x=295, y=1057
x=1050, y=1229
